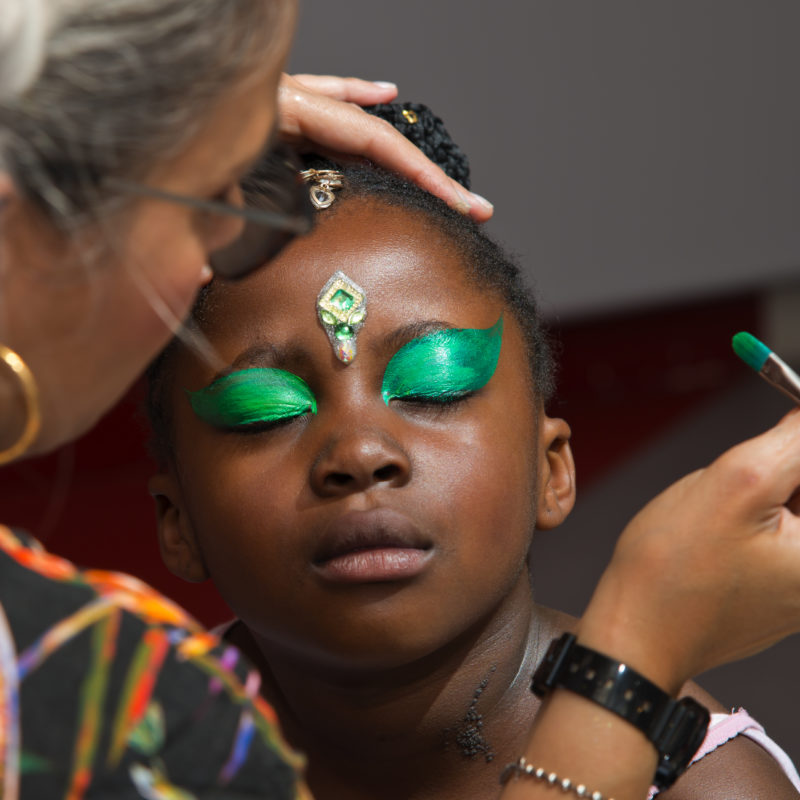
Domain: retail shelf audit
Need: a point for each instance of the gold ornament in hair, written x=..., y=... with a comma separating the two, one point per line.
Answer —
x=323, y=182
x=31, y=394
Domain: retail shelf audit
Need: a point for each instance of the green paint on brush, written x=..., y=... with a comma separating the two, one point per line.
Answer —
x=251, y=396
x=443, y=365
x=750, y=350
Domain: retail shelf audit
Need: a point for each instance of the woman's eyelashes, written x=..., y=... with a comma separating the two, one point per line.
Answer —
x=253, y=399
x=444, y=366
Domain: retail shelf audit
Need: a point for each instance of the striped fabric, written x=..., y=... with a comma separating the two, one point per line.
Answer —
x=108, y=689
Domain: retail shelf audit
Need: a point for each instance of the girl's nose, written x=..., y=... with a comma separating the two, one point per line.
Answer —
x=357, y=459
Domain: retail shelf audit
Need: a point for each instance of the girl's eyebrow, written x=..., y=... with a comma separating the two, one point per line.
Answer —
x=264, y=354
x=393, y=341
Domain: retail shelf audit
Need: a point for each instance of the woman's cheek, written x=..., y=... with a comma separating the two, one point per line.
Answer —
x=168, y=265
x=222, y=232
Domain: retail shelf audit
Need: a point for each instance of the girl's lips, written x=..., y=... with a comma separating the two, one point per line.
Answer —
x=371, y=546
x=375, y=565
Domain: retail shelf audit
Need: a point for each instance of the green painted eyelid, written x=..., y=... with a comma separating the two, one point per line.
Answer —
x=253, y=395
x=443, y=364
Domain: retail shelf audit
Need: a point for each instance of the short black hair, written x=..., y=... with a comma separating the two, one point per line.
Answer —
x=483, y=259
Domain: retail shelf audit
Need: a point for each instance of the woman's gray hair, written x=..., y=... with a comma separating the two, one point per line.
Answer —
x=23, y=33
x=97, y=88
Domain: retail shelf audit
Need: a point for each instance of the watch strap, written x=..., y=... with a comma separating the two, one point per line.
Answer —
x=675, y=727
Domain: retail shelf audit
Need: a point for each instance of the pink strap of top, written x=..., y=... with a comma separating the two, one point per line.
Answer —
x=724, y=727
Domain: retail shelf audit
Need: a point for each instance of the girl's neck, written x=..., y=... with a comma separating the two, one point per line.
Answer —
x=441, y=727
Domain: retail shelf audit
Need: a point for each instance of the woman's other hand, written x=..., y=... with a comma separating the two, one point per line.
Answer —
x=709, y=571
x=321, y=112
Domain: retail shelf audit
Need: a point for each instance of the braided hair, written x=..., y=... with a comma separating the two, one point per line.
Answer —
x=484, y=261
x=425, y=130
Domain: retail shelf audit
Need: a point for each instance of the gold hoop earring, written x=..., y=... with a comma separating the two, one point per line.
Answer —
x=31, y=393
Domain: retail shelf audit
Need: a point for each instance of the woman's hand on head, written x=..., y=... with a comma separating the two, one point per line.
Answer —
x=709, y=571
x=321, y=112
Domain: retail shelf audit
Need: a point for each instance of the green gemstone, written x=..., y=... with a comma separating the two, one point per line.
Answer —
x=327, y=317
x=357, y=317
x=342, y=300
x=344, y=332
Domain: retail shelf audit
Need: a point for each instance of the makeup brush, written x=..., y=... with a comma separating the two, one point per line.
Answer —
x=771, y=368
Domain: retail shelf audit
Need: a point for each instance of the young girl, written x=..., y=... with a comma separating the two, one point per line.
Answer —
x=362, y=481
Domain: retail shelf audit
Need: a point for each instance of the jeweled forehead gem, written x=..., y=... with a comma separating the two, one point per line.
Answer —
x=342, y=310
x=342, y=300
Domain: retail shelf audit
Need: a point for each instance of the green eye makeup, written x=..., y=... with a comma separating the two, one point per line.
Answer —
x=440, y=366
x=444, y=364
x=251, y=396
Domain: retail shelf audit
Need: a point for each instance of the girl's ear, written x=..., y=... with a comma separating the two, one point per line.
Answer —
x=179, y=549
x=556, y=473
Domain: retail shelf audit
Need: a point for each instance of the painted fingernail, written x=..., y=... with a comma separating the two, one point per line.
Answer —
x=483, y=202
x=206, y=274
x=463, y=201
x=385, y=84
x=462, y=205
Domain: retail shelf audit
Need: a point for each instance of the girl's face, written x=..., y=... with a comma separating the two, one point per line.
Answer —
x=88, y=312
x=369, y=533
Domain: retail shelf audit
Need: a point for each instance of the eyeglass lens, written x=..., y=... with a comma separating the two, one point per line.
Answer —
x=273, y=185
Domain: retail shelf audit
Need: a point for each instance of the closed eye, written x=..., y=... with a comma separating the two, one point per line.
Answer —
x=253, y=400
x=444, y=366
x=254, y=428
x=438, y=399
x=433, y=408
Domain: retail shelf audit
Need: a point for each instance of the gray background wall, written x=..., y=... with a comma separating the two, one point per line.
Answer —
x=634, y=150
x=637, y=152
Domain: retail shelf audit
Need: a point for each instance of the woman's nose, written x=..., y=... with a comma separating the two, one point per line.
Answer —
x=358, y=459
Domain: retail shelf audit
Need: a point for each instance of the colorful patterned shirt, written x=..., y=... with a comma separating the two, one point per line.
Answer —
x=109, y=690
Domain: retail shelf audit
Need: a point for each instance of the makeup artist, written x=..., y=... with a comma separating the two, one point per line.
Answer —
x=116, y=207
x=114, y=201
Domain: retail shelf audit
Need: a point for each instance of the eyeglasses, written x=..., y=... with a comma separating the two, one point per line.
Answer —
x=278, y=209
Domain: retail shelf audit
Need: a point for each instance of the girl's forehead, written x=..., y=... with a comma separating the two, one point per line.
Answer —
x=405, y=267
